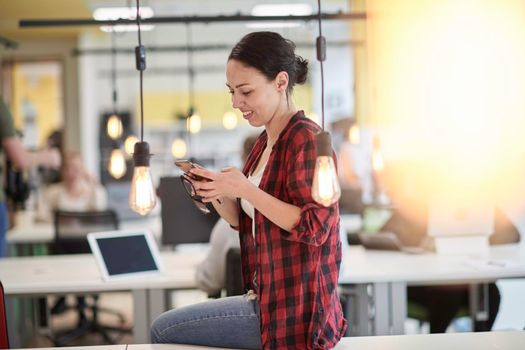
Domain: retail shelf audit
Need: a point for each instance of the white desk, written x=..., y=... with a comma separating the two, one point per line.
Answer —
x=447, y=341
x=27, y=231
x=60, y=274
x=387, y=274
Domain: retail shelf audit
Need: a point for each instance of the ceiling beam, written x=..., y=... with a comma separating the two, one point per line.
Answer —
x=30, y=23
x=197, y=48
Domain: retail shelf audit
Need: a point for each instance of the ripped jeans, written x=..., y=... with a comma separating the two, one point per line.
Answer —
x=231, y=322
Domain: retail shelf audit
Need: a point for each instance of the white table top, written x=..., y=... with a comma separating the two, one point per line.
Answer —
x=369, y=266
x=27, y=230
x=446, y=341
x=513, y=340
x=79, y=273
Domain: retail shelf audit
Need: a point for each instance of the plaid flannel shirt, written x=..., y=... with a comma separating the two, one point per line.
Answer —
x=296, y=271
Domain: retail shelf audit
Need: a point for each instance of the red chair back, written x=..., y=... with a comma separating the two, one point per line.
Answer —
x=4, y=340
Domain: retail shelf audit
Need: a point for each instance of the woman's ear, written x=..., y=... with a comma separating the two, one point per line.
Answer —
x=281, y=81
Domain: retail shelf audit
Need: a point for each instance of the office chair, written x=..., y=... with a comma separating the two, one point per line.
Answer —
x=182, y=222
x=233, y=279
x=71, y=229
x=4, y=337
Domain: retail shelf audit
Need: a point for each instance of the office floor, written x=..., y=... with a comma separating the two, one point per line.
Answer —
x=122, y=302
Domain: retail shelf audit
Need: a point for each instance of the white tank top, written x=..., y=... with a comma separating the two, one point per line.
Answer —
x=247, y=206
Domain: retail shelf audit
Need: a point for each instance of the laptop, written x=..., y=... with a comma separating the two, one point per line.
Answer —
x=123, y=254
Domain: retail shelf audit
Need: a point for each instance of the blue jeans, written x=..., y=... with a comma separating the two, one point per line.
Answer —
x=4, y=223
x=230, y=322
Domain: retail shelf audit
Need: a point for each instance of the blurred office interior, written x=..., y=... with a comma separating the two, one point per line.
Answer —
x=423, y=98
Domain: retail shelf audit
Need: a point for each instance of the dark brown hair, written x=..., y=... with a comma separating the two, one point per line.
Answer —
x=270, y=53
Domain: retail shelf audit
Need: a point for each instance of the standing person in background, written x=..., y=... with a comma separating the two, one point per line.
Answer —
x=290, y=246
x=211, y=273
x=15, y=152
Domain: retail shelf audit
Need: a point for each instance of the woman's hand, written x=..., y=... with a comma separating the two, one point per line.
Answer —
x=230, y=182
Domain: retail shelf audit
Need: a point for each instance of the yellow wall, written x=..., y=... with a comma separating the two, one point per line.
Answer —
x=162, y=108
x=44, y=92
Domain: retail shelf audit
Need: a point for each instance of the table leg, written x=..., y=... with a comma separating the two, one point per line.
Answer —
x=147, y=305
x=398, y=301
x=140, y=317
x=382, y=307
x=357, y=309
x=390, y=308
x=479, y=302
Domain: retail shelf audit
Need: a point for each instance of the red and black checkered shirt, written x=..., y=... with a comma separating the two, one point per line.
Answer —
x=297, y=271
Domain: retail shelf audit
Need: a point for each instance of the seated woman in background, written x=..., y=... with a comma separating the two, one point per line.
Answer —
x=77, y=191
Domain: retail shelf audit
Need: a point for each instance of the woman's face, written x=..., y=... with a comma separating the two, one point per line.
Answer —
x=257, y=98
x=72, y=169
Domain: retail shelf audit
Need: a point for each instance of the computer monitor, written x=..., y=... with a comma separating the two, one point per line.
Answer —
x=182, y=222
x=450, y=217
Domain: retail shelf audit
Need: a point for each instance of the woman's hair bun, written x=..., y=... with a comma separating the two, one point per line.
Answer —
x=301, y=69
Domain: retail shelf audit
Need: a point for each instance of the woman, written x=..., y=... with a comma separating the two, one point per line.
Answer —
x=78, y=190
x=290, y=245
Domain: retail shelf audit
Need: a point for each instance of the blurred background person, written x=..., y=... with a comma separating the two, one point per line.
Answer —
x=211, y=273
x=77, y=191
x=11, y=146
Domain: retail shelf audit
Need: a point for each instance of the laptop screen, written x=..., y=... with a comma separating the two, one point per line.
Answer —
x=124, y=253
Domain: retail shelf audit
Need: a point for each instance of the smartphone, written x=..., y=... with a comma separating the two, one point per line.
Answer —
x=185, y=165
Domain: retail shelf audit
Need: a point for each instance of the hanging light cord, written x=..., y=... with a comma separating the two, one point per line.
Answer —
x=321, y=56
x=191, y=73
x=140, y=70
x=114, y=70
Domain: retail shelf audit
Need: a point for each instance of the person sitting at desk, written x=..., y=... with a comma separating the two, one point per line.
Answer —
x=442, y=303
x=77, y=191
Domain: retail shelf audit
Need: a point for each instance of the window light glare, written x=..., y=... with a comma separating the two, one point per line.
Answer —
x=259, y=25
x=114, y=13
x=282, y=10
x=119, y=28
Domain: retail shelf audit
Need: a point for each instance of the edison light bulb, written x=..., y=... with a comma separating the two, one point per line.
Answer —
x=354, y=134
x=378, y=163
x=194, y=123
x=117, y=164
x=229, y=120
x=325, y=187
x=178, y=148
x=142, y=197
x=129, y=144
x=114, y=127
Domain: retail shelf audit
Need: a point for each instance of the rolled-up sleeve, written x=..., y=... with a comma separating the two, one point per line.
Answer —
x=315, y=221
